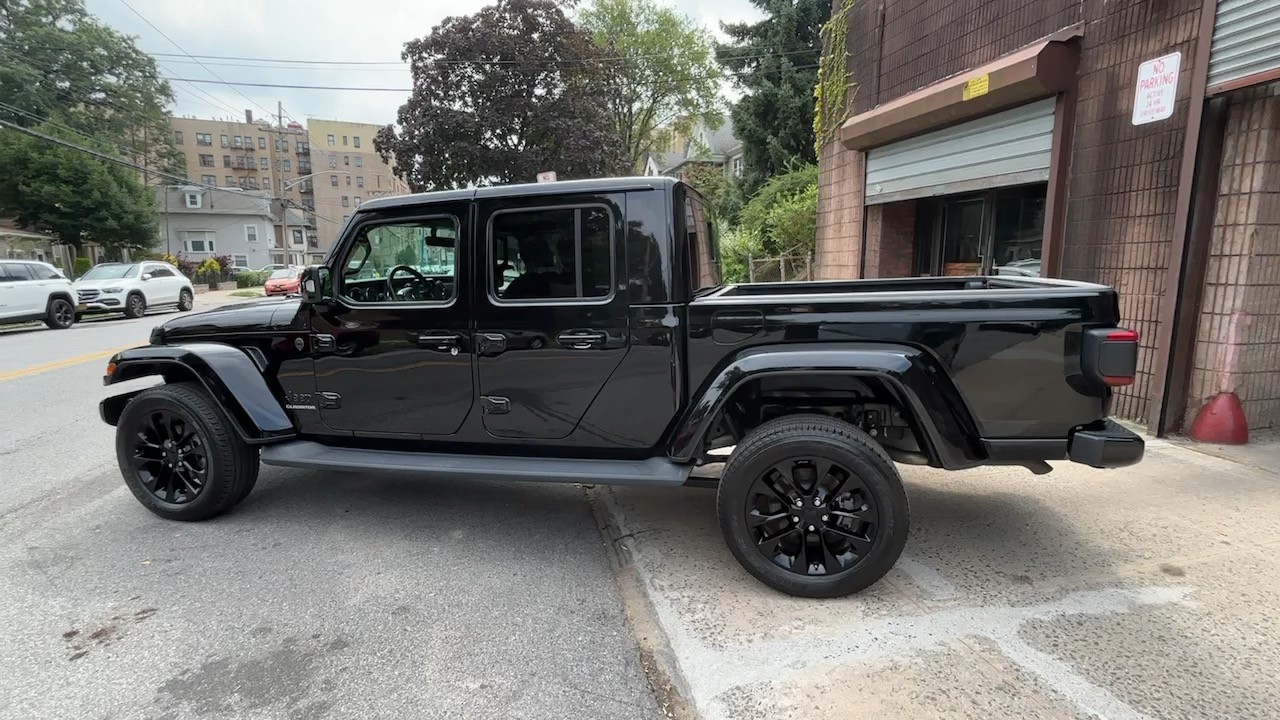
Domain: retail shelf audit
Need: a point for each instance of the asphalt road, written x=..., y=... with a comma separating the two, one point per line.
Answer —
x=320, y=596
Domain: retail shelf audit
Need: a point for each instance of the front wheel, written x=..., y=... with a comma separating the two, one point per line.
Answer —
x=60, y=315
x=180, y=454
x=185, y=300
x=135, y=306
x=812, y=506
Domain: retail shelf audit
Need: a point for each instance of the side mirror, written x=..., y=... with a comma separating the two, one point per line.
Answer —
x=146, y=276
x=315, y=283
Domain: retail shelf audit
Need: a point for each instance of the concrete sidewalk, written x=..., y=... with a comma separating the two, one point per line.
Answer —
x=1145, y=592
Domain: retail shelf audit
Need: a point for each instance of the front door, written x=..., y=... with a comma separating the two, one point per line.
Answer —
x=17, y=288
x=393, y=351
x=163, y=286
x=551, y=322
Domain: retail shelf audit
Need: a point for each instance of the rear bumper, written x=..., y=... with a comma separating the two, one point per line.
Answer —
x=1105, y=444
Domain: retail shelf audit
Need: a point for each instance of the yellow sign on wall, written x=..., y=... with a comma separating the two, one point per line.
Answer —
x=976, y=87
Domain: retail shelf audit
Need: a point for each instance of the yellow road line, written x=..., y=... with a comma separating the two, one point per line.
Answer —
x=54, y=364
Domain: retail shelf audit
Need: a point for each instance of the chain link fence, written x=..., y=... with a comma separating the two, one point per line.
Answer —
x=780, y=269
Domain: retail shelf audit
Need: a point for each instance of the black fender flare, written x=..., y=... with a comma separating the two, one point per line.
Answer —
x=229, y=375
x=922, y=384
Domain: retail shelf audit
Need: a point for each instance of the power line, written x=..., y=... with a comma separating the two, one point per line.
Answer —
x=611, y=59
x=184, y=52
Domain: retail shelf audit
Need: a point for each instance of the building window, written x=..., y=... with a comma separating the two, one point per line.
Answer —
x=330, y=141
x=379, y=181
x=206, y=160
x=284, y=145
x=230, y=181
x=251, y=233
x=304, y=148
x=356, y=140
x=226, y=142
x=737, y=167
x=197, y=241
x=333, y=180
x=266, y=183
x=262, y=162
x=333, y=160
x=226, y=161
x=346, y=159
x=253, y=183
x=262, y=143
x=288, y=165
x=204, y=139
x=297, y=236
x=359, y=181
x=235, y=141
x=193, y=200
x=346, y=202
x=209, y=180
x=240, y=261
x=348, y=181
x=357, y=200
x=359, y=161
x=177, y=137
x=344, y=140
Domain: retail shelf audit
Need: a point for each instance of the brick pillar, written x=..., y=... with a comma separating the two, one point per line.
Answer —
x=891, y=239
x=840, y=188
x=1237, y=345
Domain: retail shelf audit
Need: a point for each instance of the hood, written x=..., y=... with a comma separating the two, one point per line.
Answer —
x=99, y=284
x=254, y=316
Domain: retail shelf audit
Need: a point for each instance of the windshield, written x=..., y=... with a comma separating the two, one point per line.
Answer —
x=110, y=272
x=286, y=273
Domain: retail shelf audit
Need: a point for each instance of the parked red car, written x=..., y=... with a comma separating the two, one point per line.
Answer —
x=282, y=282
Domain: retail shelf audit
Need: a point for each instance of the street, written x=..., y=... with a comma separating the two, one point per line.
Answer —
x=319, y=596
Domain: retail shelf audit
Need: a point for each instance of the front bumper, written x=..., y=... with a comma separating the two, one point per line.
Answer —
x=101, y=304
x=1105, y=444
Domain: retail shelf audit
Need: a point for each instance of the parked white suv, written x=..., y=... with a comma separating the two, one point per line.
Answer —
x=31, y=290
x=133, y=288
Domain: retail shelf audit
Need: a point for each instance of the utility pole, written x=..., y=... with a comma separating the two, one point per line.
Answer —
x=284, y=194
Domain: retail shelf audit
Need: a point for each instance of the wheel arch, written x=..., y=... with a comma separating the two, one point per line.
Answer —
x=226, y=373
x=922, y=389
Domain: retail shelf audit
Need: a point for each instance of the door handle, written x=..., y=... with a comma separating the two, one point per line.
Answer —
x=581, y=339
x=488, y=343
x=437, y=341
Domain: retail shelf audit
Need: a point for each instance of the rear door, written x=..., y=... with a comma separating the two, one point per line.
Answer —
x=21, y=293
x=551, y=318
x=10, y=291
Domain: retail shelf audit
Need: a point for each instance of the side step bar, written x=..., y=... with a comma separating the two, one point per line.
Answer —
x=313, y=455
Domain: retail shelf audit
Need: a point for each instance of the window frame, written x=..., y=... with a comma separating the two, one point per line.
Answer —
x=354, y=230
x=199, y=199
x=254, y=228
x=238, y=265
x=491, y=255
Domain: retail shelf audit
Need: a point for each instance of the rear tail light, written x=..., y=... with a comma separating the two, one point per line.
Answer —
x=1110, y=355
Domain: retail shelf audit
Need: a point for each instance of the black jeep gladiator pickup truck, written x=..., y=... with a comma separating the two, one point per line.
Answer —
x=579, y=332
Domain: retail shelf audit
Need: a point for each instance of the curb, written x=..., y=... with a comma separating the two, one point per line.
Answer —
x=661, y=669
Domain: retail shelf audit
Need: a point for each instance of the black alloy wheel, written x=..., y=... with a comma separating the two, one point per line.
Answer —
x=135, y=306
x=61, y=314
x=170, y=458
x=812, y=506
x=811, y=516
x=185, y=300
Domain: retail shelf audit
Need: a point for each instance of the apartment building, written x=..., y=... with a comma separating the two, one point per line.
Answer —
x=347, y=172
x=319, y=172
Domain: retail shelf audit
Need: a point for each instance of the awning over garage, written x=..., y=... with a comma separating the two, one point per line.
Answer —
x=1007, y=148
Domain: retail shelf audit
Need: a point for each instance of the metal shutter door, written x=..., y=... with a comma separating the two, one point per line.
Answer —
x=1008, y=148
x=1246, y=39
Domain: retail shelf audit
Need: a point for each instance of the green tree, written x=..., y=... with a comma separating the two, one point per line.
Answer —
x=660, y=71
x=73, y=195
x=782, y=217
x=499, y=96
x=775, y=63
x=59, y=64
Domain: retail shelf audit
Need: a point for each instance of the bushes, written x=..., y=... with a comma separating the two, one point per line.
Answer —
x=252, y=278
x=80, y=266
x=209, y=271
x=782, y=217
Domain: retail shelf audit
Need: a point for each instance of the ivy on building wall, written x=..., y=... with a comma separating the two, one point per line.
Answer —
x=831, y=95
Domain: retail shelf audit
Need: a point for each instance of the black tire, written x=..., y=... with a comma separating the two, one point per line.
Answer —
x=230, y=464
x=186, y=301
x=135, y=306
x=61, y=314
x=794, y=439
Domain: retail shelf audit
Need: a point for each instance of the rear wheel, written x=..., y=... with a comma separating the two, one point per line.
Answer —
x=61, y=315
x=812, y=506
x=135, y=306
x=180, y=455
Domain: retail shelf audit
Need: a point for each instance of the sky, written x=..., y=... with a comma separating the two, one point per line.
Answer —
x=371, y=31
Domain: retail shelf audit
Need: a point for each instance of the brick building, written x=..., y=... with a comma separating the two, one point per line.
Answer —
x=1007, y=137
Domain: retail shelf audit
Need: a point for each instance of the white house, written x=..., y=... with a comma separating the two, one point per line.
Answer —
x=198, y=222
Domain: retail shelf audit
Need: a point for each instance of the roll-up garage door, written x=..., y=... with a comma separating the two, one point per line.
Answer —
x=1246, y=40
x=1007, y=148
